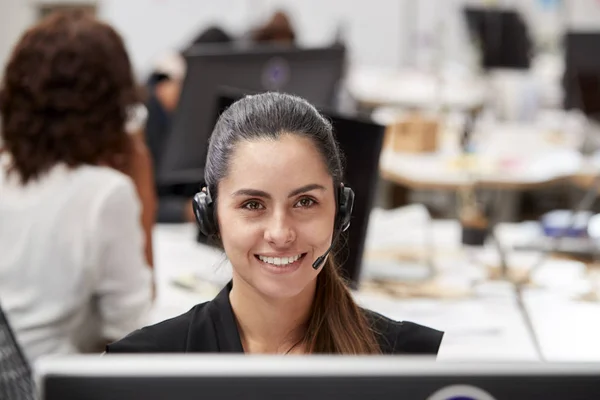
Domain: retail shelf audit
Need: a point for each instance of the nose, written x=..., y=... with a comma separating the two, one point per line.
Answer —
x=280, y=231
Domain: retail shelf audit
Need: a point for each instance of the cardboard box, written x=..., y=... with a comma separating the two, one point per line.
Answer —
x=415, y=134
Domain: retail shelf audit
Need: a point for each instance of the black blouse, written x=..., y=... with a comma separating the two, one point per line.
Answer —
x=211, y=328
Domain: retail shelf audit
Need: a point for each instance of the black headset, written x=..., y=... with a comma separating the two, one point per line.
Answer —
x=206, y=213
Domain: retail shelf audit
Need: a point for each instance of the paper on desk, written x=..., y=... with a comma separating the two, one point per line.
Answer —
x=474, y=329
x=568, y=330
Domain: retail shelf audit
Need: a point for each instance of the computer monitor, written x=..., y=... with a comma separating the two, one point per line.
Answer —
x=313, y=74
x=360, y=141
x=235, y=377
x=502, y=37
x=582, y=72
x=16, y=379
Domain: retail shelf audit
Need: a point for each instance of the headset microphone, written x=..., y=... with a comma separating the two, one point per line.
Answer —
x=321, y=259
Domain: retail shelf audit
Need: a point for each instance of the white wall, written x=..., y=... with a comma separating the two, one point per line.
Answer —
x=375, y=29
x=378, y=32
x=15, y=16
x=583, y=14
x=151, y=27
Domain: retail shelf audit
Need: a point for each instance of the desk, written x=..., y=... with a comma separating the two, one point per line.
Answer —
x=375, y=87
x=568, y=330
x=509, y=156
x=177, y=254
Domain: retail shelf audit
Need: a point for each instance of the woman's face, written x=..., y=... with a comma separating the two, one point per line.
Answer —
x=276, y=211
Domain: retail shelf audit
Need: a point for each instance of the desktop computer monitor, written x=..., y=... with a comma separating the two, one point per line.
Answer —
x=16, y=379
x=588, y=86
x=502, y=37
x=360, y=141
x=582, y=73
x=234, y=377
x=313, y=74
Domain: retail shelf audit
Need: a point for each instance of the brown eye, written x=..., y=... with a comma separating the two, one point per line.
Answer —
x=253, y=205
x=305, y=202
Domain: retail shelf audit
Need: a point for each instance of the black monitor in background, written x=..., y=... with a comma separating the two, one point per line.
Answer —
x=16, y=379
x=313, y=74
x=582, y=73
x=502, y=36
x=235, y=377
x=588, y=85
x=360, y=141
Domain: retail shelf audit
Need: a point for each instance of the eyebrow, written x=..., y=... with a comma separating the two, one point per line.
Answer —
x=263, y=194
x=307, y=188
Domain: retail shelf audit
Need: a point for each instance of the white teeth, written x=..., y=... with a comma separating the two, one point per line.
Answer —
x=280, y=260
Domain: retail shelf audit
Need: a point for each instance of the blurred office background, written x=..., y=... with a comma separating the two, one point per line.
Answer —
x=484, y=219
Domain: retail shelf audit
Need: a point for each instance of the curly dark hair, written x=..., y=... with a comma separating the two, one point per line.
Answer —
x=67, y=89
x=277, y=29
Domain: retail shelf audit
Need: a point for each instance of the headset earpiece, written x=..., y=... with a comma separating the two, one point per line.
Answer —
x=204, y=212
x=345, y=203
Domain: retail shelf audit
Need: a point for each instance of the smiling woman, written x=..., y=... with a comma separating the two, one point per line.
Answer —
x=276, y=203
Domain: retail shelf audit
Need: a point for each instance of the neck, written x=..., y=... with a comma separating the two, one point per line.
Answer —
x=270, y=325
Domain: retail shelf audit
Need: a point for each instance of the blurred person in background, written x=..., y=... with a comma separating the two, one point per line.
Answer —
x=212, y=35
x=76, y=189
x=164, y=88
x=278, y=29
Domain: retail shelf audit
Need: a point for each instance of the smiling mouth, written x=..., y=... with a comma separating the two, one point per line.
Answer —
x=281, y=261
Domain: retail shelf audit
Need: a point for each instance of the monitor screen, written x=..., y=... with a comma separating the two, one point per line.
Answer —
x=16, y=380
x=229, y=377
x=360, y=141
x=582, y=72
x=588, y=84
x=313, y=74
x=502, y=37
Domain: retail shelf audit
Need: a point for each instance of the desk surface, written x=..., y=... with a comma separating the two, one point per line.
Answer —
x=509, y=156
x=486, y=326
x=413, y=88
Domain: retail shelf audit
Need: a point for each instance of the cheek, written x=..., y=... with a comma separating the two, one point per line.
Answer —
x=317, y=232
x=237, y=235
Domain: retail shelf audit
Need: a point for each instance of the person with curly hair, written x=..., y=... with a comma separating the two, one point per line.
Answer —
x=75, y=189
x=278, y=29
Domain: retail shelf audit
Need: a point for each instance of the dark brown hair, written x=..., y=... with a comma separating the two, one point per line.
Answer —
x=277, y=29
x=65, y=96
x=337, y=325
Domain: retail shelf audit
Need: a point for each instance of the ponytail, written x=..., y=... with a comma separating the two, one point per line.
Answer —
x=337, y=325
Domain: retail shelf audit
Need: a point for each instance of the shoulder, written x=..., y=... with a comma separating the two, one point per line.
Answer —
x=102, y=179
x=85, y=188
x=404, y=337
x=169, y=336
x=108, y=190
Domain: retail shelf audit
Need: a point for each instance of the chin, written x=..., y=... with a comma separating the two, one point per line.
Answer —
x=282, y=286
x=280, y=289
x=279, y=283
